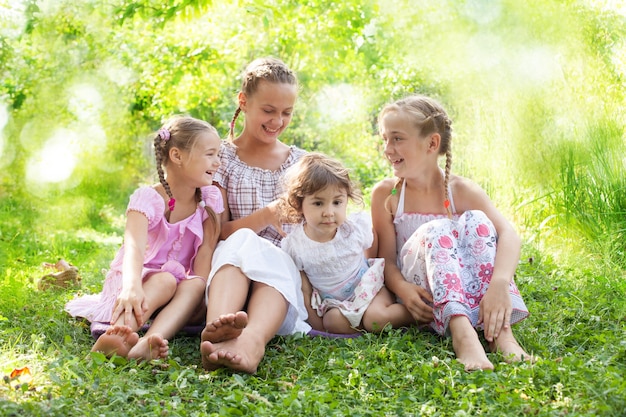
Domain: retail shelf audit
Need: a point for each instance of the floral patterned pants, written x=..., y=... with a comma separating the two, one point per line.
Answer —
x=454, y=261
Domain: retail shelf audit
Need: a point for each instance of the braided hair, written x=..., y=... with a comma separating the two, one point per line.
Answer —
x=429, y=117
x=181, y=132
x=269, y=69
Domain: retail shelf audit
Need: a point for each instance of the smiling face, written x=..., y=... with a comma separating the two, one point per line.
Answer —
x=324, y=211
x=202, y=161
x=268, y=110
x=404, y=147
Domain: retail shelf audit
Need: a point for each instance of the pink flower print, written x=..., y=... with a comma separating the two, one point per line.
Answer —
x=442, y=257
x=485, y=272
x=482, y=230
x=455, y=233
x=473, y=302
x=445, y=242
x=452, y=281
x=478, y=247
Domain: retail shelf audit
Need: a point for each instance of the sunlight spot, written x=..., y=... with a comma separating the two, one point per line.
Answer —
x=85, y=102
x=56, y=160
x=118, y=73
x=4, y=119
x=50, y=7
x=482, y=11
x=537, y=65
x=617, y=6
x=618, y=58
x=338, y=104
x=12, y=18
x=485, y=52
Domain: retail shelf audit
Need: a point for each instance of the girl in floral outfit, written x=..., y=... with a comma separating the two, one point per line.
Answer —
x=450, y=254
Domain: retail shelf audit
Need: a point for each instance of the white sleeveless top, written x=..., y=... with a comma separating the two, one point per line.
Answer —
x=407, y=223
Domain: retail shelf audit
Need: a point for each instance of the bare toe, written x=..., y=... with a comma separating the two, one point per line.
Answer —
x=225, y=327
x=150, y=347
x=241, y=354
x=117, y=340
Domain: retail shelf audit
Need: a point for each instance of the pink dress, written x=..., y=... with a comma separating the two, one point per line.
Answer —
x=171, y=248
x=453, y=259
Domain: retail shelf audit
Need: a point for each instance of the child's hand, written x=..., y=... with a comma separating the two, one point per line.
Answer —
x=130, y=303
x=415, y=299
x=495, y=309
x=275, y=217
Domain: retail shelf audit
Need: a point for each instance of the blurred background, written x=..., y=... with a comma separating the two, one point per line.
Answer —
x=535, y=89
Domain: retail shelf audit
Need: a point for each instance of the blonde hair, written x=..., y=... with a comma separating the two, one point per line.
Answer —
x=428, y=116
x=312, y=173
x=181, y=132
x=262, y=69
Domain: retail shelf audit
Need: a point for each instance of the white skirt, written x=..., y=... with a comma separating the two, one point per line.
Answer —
x=261, y=261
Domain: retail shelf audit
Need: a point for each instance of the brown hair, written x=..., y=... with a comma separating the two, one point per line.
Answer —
x=262, y=69
x=429, y=117
x=312, y=173
x=181, y=132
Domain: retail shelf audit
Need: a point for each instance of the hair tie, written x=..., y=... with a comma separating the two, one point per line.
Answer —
x=171, y=203
x=232, y=125
x=164, y=134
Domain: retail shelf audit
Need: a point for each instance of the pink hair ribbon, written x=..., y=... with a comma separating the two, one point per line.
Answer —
x=164, y=134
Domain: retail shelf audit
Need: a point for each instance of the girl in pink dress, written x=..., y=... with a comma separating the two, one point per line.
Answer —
x=450, y=261
x=171, y=231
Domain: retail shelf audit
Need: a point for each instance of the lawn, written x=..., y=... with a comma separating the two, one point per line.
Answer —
x=577, y=327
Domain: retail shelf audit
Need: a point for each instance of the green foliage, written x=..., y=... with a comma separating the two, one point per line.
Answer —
x=97, y=79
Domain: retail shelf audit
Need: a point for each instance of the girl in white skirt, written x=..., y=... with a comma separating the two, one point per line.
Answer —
x=254, y=288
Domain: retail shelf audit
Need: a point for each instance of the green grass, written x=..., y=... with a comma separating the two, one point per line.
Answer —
x=577, y=326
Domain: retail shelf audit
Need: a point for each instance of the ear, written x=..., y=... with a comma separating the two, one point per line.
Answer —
x=434, y=141
x=175, y=155
x=243, y=100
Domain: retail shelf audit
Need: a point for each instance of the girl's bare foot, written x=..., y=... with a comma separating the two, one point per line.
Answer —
x=469, y=351
x=243, y=353
x=225, y=327
x=510, y=349
x=117, y=340
x=150, y=347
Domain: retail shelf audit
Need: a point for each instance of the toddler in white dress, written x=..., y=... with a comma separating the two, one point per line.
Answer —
x=329, y=247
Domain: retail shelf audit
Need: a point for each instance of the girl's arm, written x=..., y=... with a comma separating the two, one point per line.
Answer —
x=131, y=300
x=495, y=307
x=202, y=261
x=257, y=221
x=413, y=296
